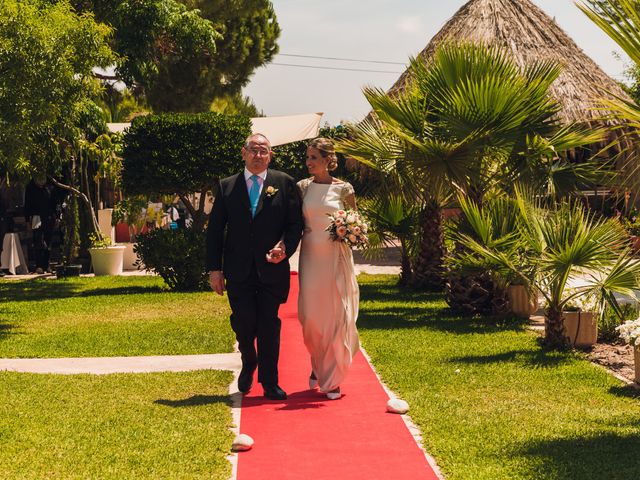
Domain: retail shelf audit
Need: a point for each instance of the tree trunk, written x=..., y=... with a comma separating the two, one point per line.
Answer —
x=406, y=273
x=555, y=334
x=428, y=270
x=476, y=294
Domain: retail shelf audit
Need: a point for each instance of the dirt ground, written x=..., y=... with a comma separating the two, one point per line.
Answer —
x=615, y=357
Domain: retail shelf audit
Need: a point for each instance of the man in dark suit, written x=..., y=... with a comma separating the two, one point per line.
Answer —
x=254, y=227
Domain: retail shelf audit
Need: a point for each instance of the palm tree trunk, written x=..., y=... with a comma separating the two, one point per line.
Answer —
x=428, y=270
x=405, y=264
x=555, y=333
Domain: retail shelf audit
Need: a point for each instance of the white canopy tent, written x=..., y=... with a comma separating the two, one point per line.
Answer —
x=279, y=130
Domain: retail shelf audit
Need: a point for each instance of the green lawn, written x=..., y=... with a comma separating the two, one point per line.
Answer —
x=109, y=316
x=142, y=426
x=490, y=402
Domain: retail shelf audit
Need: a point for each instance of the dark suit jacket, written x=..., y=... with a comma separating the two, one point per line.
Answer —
x=235, y=240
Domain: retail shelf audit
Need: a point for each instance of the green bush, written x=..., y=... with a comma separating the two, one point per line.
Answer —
x=178, y=256
x=179, y=153
x=609, y=321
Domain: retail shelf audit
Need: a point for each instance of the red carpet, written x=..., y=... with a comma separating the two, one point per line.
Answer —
x=310, y=437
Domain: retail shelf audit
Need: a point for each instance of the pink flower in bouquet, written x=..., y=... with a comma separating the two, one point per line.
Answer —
x=339, y=221
x=356, y=230
x=351, y=218
x=352, y=238
x=341, y=231
x=341, y=213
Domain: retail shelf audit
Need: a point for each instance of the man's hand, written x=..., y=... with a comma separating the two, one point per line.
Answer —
x=277, y=253
x=216, y=280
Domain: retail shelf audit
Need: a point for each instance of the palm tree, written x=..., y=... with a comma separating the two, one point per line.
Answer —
x=470, y=122
x=392, y=217
x=547, y=249
x=620, y=20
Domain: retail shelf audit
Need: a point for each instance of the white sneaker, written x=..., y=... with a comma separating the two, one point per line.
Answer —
x=334, y=394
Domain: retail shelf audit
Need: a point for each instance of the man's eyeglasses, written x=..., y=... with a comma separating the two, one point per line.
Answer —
x=259, y=151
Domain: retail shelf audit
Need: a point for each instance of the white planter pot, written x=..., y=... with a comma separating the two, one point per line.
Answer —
x=129, y=257
x=107, y=261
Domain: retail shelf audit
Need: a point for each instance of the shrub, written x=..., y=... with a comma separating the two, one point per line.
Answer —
x=178, y=256
x=178, y=153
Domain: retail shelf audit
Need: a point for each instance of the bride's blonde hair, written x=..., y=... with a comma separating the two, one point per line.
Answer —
x=327, y=150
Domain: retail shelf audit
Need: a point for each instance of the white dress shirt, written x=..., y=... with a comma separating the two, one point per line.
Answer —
x=261, y=178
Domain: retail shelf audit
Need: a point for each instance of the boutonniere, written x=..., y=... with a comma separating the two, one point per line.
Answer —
x=271, y=191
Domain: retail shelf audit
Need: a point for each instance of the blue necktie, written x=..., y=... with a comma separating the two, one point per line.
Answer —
x=254, y=194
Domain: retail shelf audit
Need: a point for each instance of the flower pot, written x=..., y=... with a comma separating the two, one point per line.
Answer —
x=636, y=353
x=65, y=271
x=521, y=302
x=583, y=326
x=129, y=257
x=107, y=261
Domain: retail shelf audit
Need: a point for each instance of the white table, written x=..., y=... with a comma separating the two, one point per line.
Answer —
x=12, y=258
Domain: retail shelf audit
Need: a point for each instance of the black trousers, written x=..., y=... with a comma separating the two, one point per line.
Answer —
x=254, y=307
x=42, y=243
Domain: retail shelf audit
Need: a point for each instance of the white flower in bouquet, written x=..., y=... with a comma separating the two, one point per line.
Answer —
x=630, y=332
x=349, y=227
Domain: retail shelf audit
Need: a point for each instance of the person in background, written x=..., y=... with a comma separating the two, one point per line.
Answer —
x=40, y=214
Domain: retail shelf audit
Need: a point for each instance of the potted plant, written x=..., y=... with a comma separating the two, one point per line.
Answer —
x=130, y=212
x=564, y=244
x=523, y=302
x=630, y=333
x=106, y=259
x=580, y=321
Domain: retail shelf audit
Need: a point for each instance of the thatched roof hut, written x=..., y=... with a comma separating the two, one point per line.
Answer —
x=529, y=34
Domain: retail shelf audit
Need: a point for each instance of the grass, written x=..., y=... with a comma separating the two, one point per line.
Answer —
x=491, y=403
x=142, y=426
x=109, y=316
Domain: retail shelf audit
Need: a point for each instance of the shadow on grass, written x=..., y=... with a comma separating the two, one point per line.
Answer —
x=608, y=456
x=32, y=290
x=196, y=401
x=390, y=307
x=5, y=330
x=628, y=391
x=533, y=358
x=434, y=319
x=133, y=290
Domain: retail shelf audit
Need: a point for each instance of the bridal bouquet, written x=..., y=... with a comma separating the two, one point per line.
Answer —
x=349, y=227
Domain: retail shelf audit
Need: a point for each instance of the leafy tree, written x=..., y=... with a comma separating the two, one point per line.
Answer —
x=183, y=54
x=236, y=104
x=47, y=53
x=182, y=154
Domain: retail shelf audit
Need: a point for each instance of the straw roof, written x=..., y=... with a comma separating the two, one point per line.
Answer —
x=529, y=34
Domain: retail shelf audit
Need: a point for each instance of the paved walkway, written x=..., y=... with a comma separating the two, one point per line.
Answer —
x=105, y=365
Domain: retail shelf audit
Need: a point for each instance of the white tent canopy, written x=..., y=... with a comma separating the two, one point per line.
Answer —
x=279, y=130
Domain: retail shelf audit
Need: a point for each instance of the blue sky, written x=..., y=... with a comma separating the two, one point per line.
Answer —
x=383, y=30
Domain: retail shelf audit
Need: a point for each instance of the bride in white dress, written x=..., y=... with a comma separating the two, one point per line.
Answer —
x=329, y=294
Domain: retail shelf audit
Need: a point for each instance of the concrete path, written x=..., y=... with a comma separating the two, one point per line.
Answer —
x=105, y=365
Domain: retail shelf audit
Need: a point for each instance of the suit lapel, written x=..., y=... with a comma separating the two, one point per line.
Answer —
x=241, y=193
x=268, y=182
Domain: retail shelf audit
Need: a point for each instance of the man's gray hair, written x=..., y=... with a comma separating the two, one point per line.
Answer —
x=254, y=135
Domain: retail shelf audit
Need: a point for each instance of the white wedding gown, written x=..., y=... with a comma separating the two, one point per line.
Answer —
x=329, y=293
